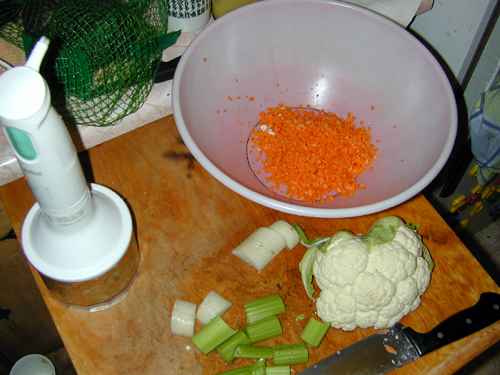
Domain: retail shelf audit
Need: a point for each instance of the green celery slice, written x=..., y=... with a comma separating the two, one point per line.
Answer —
x=264, y=307
x=315, y=331
x=290, y=354
x=227, y=348
x=263, y=329
x=256, y=352
x=278, y=370
x=212, y=335
x=257, y=368
x=238, y=371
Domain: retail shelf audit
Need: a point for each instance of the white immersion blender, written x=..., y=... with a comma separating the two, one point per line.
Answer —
x=80, y=239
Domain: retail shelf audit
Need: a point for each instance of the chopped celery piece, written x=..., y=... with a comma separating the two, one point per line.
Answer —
x=250, y=351
x=263, y=329
x=290, y=354
x=237, y=371
x=263, y=307
x=257, y=368
x=278, y=370
x=227, y=348
x=212, y=335
x=315, y=331
x=301, y=317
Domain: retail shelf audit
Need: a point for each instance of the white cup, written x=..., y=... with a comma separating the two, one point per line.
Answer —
x=33, y=364
x=188, y=15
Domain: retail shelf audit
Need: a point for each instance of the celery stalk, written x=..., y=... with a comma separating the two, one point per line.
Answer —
x=212, y=335
x=315, y=332
x=263, y=329
x=227, y=348
x=290, y=354
x=237, y=371
x=263, y=307
x=278, y=370
x=256, y=352
x=257, y=368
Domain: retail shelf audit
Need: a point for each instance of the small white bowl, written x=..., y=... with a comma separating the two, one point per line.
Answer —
x=332, y=56
x=33, y=364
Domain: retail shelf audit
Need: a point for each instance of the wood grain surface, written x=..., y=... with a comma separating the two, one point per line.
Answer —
x=187, y=224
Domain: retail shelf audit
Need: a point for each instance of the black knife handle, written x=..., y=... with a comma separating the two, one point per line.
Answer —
x=466, y=322
x=166, y=70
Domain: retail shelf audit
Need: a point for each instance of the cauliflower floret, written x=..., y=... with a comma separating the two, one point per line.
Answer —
x=370, y=289
x=337, y=308
x=345, y=259
x=366, y=319
x=392, y=260
x=407, y=291
x=409, y=240
x=389, y=313
x=422, y=276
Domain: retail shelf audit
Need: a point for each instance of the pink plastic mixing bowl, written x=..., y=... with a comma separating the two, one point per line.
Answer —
x=332, y=56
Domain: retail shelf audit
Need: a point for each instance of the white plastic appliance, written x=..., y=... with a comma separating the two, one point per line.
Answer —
x=74, y=233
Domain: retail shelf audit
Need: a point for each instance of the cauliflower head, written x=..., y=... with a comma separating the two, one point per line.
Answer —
x=366, y=282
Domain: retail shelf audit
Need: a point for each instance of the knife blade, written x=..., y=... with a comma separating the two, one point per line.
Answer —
x=389, y=349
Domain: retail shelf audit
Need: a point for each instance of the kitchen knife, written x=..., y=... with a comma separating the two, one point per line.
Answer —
x=166, y=70
x=389, y=349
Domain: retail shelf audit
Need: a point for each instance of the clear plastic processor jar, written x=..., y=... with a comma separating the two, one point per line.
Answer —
x=103, y=291
x=92, y=267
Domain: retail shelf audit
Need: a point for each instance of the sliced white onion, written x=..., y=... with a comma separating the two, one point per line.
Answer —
x=260, y=248
x=183, y=318
x=286, y=231
x=213, y=304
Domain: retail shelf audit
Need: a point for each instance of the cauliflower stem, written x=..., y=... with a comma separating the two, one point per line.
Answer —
x=370, y=280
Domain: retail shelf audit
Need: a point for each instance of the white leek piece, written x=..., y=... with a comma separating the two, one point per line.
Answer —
x=289, y=234
x=260, y=248
x=213, y=304
x=183, y=318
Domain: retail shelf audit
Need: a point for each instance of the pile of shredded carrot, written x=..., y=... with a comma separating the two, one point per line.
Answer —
x=313, y=154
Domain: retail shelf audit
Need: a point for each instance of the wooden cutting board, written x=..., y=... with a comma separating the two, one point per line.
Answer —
x=187, y=224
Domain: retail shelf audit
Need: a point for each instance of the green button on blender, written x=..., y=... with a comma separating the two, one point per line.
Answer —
x=22, y=144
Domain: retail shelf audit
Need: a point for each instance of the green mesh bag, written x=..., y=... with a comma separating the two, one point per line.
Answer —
x=11, y=28
x=103, y=55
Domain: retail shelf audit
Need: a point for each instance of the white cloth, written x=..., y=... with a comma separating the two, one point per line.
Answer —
x=484, y=126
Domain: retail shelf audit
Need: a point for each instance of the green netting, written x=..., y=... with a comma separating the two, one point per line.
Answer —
x=103, y=55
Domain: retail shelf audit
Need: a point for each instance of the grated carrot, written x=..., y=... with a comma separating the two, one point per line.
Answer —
x=312, y=153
